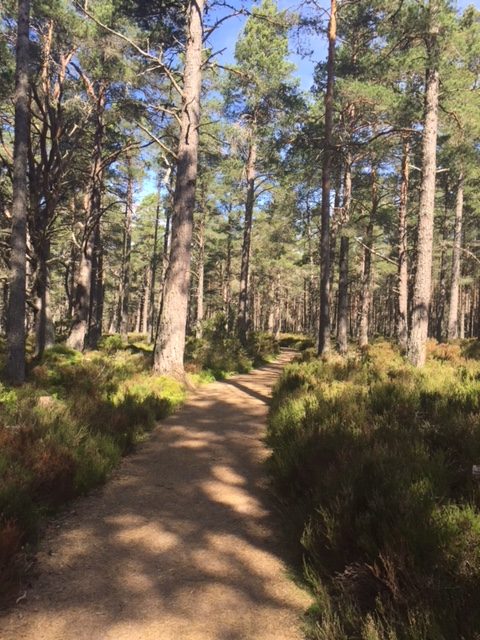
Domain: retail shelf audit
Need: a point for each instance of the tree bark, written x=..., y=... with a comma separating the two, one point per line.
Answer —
x=244, y=321
x=324, y=330
x=16, y=314
x=366, y=293
x=342, y=310
x=170, y=345
x=124, y=300
x=423, y=273
x=201, y=273
x=402, y=301
x=456, y=264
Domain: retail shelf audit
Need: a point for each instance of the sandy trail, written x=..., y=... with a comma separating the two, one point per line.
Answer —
x=180, y=544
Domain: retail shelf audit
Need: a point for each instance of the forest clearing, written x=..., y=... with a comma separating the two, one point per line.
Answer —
x=239, y=319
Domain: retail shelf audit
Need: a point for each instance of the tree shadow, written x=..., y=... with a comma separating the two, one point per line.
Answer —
x=182, y=543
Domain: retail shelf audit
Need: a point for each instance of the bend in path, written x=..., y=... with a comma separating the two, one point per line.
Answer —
x=180, y=544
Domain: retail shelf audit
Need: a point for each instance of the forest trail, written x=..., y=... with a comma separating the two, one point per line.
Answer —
x=182, y=542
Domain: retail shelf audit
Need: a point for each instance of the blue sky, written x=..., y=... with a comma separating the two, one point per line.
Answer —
x=226, y=36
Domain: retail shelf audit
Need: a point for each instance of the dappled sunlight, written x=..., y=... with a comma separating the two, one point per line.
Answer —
x=178, y=545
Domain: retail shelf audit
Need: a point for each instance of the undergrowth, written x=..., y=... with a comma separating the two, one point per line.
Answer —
x=221, y=353
x=64, y=431
x=374, y=459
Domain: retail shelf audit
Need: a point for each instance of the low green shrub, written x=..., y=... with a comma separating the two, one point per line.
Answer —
x=296, y=341
x=376, y=458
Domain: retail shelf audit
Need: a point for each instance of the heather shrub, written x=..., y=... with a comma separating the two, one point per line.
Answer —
x=374, y=460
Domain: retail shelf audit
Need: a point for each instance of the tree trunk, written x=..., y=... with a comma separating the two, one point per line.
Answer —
x=124, y=301
x=457, y=247
x=324, y=331
x=366, y=293
x=244, y=321
x=201, y=274
x=423, y=273
x=442, y=285
x=170, y=346
x=153, y=273
x=95, y=320
x=342, y=324
x=342, y=310
x=15, y=366
x=78, y=338
x=402, y=318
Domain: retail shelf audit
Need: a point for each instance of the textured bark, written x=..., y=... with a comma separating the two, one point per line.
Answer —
x=324, y=330
x=243, y=320
x=402, y=301
x=15, y=367
x=456, y=265
x=423, y=272
x=170, y=345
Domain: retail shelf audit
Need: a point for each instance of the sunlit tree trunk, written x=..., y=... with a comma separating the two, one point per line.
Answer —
x=456, y=265
x=423, y=272
x=170, y=344
x=324, y=332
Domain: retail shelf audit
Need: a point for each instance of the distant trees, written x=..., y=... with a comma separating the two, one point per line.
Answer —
x=314, y=211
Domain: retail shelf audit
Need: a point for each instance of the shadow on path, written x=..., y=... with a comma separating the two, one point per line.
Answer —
x=181, y=543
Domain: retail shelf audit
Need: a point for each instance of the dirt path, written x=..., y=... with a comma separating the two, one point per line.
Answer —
x=181, y=544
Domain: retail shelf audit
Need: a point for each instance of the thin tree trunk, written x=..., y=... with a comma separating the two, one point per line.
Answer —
x=423, y=272
x=153, y=272
x=402, y=318
x=366, y=292
x=201, y=274
x=342, y=310
x=170, y=346
x=456, y=265
x=16, y=314
x=124, y=301
x=342, y=325
x=324, y=331
x=442, y=285
x=95, y=320
x=244, y=320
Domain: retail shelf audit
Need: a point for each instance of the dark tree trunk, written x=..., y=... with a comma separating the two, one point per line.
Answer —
x=402, y=301
x=15, y=366
x=244, y=320
x=324, y=331
x=342, y=325
x=96, y=298
x=170, y=346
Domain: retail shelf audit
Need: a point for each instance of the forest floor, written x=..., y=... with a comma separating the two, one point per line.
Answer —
x=182, y=543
